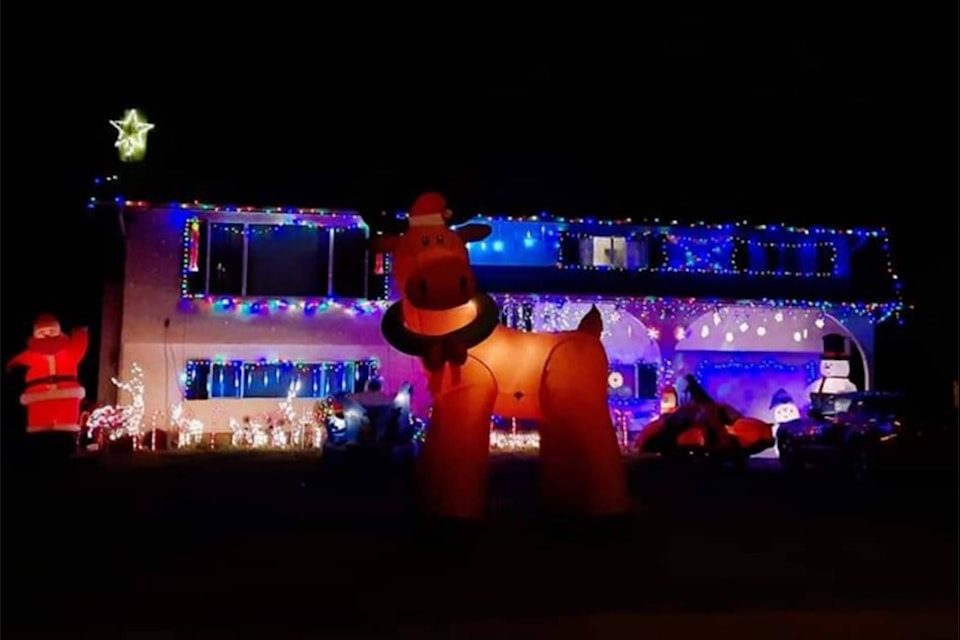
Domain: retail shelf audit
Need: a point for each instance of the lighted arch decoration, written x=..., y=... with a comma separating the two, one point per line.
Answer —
x=754, y=333
x=625, y=337
x=784, y=330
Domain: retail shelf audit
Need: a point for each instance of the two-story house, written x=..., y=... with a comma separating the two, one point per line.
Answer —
x=226, y=308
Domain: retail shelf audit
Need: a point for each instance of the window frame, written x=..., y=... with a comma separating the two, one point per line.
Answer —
x=264, y=219
x=373, y=365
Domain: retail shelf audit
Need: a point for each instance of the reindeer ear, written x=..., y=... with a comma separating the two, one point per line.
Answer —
x=474, y=232
x=383, y=243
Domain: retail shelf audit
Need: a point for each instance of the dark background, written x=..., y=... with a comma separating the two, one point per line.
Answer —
x=806, y=115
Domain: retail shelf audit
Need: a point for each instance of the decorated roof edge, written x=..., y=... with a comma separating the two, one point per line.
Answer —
x=200, y=207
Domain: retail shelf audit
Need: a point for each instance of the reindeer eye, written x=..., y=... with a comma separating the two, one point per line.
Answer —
x=424, y=240
x=439, y=239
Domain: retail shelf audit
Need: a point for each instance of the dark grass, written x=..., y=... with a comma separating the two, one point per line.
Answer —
x=274, y=543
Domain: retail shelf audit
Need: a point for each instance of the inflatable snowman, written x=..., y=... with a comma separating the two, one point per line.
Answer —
x=784, y=408
x=834, y=367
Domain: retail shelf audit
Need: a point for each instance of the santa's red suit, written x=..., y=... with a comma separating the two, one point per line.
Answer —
x=53, y=393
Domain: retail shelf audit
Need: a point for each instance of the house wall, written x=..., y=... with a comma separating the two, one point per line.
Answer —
x=160, y=331
x=111, y=323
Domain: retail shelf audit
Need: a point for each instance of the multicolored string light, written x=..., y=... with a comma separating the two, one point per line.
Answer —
x=339, y=219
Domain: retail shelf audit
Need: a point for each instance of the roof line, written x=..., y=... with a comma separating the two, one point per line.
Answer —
x=879, y=232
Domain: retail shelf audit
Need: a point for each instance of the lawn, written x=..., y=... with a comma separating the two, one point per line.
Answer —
x=271, y=542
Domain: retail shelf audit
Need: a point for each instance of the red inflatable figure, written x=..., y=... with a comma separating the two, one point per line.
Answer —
x=53, y=393
x=702, y=425
x=478, y=368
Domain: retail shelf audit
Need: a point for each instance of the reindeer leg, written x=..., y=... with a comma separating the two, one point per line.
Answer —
x=453, y=465
x=581, y=464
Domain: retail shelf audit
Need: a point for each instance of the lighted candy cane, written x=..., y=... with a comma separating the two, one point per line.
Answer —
x=193, y=259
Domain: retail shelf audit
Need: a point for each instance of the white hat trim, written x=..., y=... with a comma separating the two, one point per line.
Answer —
x=431, y=219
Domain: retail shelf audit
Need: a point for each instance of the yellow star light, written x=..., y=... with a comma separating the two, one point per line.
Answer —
x=131, y=135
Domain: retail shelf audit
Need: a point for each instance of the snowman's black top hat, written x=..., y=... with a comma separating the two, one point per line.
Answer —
x=835, y=347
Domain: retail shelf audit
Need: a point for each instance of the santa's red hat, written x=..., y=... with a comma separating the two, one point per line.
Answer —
x=429, y=209
x=46, y=321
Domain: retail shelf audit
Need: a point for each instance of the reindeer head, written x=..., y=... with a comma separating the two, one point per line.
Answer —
x=430, y=262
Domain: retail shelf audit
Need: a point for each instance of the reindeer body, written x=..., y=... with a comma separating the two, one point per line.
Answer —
x=477, y=368
x=517, y=363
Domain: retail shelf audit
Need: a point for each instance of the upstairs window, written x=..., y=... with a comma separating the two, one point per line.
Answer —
x=287, y=260
x=604, y=252
x=225, y=264
x=697, y=253
x=277, y=260
x=516, y=244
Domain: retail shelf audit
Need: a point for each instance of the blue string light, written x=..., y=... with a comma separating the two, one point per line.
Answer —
x=697, y=251
x=810, y=370
x=221, y=378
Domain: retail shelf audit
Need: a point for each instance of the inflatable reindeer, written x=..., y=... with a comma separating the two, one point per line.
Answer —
x=478, y=368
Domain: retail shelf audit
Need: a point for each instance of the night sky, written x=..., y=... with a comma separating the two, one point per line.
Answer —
x=807, y=116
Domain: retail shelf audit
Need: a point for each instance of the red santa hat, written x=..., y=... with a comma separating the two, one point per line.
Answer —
x=428, y=210
x=46, y=321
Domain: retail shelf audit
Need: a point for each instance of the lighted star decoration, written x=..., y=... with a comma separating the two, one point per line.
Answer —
x=131, y=135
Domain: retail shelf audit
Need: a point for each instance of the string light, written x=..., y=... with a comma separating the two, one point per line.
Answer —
x=717, y=254
x=204, y=379
x=195, y=278
x=704, y=254
x=132, y=135
x=122, y=419
x=268, y=306
x=543, y=218
x=621, y=422
x=555, y=310
x=502, y=441
x=351, y=219
x=522, y=314
x=705, y=368
x=189, y=429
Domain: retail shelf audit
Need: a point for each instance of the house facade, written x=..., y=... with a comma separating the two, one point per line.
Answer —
x=227, y=311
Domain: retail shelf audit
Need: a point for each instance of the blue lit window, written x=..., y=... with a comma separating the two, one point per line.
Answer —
x=195, y=380
x=226, y=379
x=826, y=260
x=265, y=380
x=697, y=254
x=517, y=244
x=204, y=379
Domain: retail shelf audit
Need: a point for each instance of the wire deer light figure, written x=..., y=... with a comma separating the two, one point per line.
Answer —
x=477, y=368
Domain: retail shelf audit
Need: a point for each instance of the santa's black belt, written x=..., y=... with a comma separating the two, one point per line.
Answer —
x=51, y=380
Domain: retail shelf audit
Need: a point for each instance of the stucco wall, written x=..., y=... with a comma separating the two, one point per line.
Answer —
x=163, y=365
x=196, y=331
x=161, y=332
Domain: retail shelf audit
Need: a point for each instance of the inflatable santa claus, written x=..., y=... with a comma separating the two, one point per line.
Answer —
x=53, y=393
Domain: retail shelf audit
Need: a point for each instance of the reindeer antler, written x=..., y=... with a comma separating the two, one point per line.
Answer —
x=461, y=216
